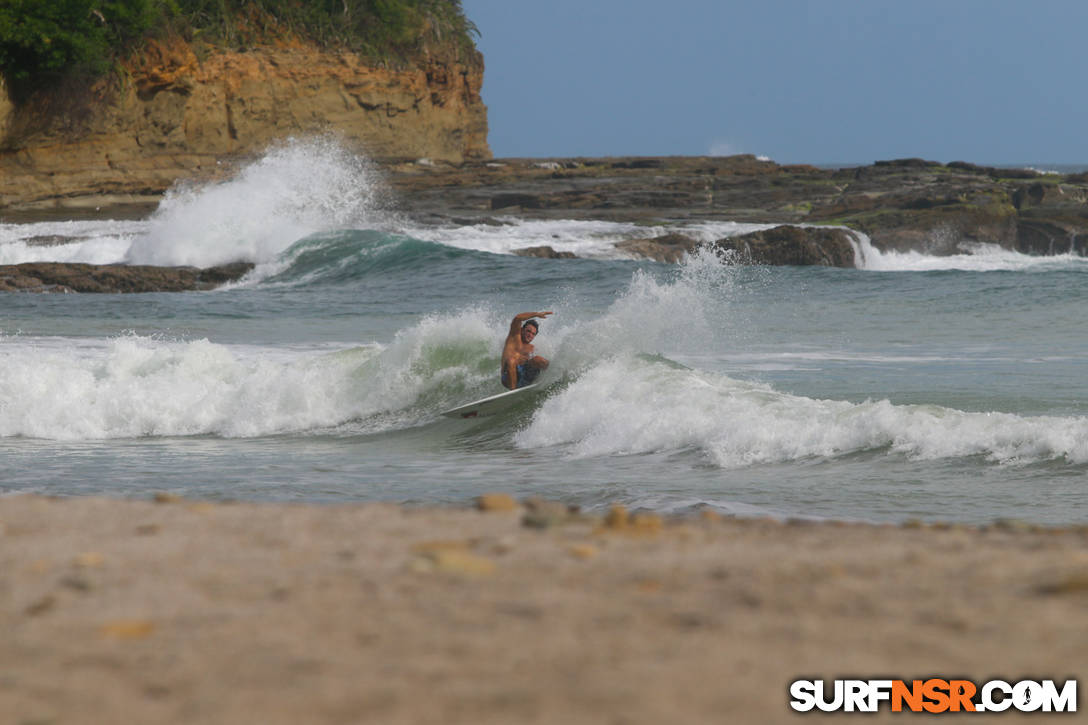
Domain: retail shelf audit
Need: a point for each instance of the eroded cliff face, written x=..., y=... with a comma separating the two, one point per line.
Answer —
x=177, y=116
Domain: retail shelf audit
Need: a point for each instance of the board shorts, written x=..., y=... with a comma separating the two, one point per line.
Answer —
x=527, y=373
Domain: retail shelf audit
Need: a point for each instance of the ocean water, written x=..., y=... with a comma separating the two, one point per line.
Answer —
x=939, y=388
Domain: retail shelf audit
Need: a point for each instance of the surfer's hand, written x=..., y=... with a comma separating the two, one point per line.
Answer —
x=544, y=314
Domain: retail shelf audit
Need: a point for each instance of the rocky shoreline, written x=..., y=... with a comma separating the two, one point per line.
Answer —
x=904, y=204
x=901, y=205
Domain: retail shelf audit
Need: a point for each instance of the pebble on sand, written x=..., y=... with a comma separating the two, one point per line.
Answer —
x=496, y=502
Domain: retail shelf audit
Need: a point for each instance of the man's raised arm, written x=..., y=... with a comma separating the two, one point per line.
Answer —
x=519, y=320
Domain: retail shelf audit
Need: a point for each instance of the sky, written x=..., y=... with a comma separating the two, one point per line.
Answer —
x=798, y=81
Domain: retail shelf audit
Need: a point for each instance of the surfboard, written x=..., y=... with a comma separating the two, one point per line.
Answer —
x=491, y=405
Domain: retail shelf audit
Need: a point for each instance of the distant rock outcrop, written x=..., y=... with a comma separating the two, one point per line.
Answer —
x=790, y=245
x=782, y=245
x=664, y=248
x=903, y=204
x=544, y=252
x=115, y=278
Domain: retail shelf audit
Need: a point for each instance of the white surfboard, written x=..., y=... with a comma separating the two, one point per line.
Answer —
x=489, y=406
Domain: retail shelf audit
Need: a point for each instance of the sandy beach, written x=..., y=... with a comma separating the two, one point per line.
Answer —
x=178, y=611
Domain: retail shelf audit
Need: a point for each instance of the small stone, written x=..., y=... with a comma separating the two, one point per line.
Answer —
x=542, y=513
x=164, y=497
x=645, y=523
x=582, y=551
x=1012, y=525
x=128, y=629
x=76, y=584
x=426, y=547
x=147, y=529
x=41, y=606
x=496, y=502
x=617, y=517
x=455, y=561
x=89, y=560
x=1076, y=583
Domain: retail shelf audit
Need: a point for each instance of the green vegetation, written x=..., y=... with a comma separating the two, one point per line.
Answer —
x=45, y=41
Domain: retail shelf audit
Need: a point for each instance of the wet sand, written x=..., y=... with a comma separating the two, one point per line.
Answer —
x=125, y=611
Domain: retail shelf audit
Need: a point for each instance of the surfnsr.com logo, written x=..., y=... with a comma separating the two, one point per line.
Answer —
x=933, y=695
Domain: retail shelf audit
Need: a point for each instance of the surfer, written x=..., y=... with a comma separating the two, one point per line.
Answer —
x=520, y=365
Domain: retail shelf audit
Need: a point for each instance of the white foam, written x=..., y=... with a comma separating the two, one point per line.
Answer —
x=629, y=406
x=585, y=238
x=134, y=386
x=624, y=400
x=974, y=257
x=298, y=189
x=88, y=242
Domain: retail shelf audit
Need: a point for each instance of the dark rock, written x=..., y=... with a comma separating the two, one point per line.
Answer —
x=968, y=167
x=909, y=163
x=525, y=201
x=639, y=164
x=1012, y=173
x=50, y=240
x=486, y=221
x=790, y=245
x=1048, y=237
x=115, y=278
x=665, y=248
x=544, y=252
x=211, y=277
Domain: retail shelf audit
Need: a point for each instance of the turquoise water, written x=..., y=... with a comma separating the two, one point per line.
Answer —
x=913, y=387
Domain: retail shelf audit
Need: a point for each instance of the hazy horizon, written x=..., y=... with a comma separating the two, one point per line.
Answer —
x=797, y=81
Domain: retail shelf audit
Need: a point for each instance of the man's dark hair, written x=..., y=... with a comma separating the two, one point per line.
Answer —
x=533, y=323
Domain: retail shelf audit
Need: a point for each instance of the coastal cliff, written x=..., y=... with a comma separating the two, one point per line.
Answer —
x=171, y=115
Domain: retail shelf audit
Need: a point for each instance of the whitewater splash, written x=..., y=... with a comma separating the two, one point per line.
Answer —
x=137, y=386
x=619, y=391
x=301, y=188
x=627, y=406
x=629, y=399
x=974, y=257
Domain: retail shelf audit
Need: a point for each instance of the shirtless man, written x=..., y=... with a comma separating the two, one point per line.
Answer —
x=520, y=366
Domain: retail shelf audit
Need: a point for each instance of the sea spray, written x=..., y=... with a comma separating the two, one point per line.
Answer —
x=86, y=242
x=627, y=406
x=432, y=364
x=297, y=189
x=681, y=311
x=629, y=396
x=136, y=386
x=972, y=257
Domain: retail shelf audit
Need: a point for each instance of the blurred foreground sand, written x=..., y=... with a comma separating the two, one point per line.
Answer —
x=120, y=611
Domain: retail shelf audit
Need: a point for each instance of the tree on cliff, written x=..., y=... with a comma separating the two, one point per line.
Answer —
x=44, y=41
x=41, y=40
